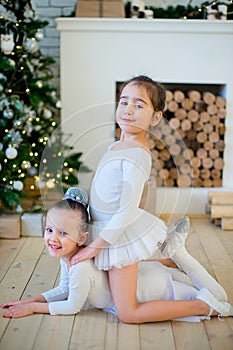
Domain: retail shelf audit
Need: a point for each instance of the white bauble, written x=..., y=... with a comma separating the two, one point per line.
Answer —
x=32, y=171
x=47, y=113
x=11, y=152
x=11, y=62
x=37, y=127
x=18, y=185
x=39, y=35
x=8, y=113
x=31, y=45
x=19, y=209
x=58, y=104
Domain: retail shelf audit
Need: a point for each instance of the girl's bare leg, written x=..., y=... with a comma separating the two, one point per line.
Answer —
x=123, y=283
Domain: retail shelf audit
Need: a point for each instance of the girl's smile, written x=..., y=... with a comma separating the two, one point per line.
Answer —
x=135, y=111
x=62, y=233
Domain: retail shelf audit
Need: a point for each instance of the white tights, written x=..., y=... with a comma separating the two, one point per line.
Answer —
x=198, y=274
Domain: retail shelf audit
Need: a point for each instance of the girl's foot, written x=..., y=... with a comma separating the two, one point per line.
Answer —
x=177, y=234
x=222, y=307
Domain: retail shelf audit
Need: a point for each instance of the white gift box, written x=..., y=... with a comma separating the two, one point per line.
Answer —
x=32, y=224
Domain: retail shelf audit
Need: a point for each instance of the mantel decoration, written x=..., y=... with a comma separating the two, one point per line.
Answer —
x=29, y=112
x=136, y=9
x=207, y=10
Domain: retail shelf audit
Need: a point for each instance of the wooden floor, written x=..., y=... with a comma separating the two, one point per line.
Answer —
x=26, y=269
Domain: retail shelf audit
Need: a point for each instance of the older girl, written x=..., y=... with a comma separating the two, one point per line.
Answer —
x=122, y=233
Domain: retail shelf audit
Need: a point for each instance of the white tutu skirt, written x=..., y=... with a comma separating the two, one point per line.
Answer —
x=138, y=241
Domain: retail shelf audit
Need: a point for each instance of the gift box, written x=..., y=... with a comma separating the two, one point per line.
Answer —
x=100, y=8
x=10, y=227
x=32, y=224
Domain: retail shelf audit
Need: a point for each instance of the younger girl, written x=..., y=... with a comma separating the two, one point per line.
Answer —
x=81, y=286
x=122, y=233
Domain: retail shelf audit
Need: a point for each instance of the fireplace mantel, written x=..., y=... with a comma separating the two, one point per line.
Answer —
x=98, y=52
x=143, y=25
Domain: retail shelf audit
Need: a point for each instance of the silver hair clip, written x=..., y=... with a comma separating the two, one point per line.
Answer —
x=77, y=194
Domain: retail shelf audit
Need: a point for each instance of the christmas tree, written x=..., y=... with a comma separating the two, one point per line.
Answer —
x=31, y=151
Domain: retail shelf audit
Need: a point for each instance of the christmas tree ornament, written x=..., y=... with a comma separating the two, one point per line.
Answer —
x=1, y=146
x=8, y=113
x=18, y=185
x=25, y=164
x=11, y=62
x=16, y=138
x=3, y=77
x=31, y=45
x=18, y=105
x=37, y=127
x=7, y=43
x=19, y=209
x=39, y=35
x=32, y=171
x=28, y=13
x=1, y=87
x=58, y=104
x=47, y=113
x=11, y=152
x=0, y=167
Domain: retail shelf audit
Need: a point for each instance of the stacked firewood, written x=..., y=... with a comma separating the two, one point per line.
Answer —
x=188, y=144
x=220, y=208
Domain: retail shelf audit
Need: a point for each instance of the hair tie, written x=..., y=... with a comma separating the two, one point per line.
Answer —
x=77, y=194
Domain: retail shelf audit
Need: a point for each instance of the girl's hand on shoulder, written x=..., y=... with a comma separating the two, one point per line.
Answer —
x=90, y=251
x=84, y=254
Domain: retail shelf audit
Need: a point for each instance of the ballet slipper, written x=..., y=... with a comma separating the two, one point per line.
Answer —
x=225, y=309
x=176, y=237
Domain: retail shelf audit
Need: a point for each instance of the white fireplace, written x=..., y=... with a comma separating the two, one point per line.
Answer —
x=97, y=53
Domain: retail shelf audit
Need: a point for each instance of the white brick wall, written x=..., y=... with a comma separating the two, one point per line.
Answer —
x=49, y=10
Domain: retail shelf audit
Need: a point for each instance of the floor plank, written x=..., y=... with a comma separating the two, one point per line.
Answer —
x=157, y=336
x=219, y=259
x=190, y=336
